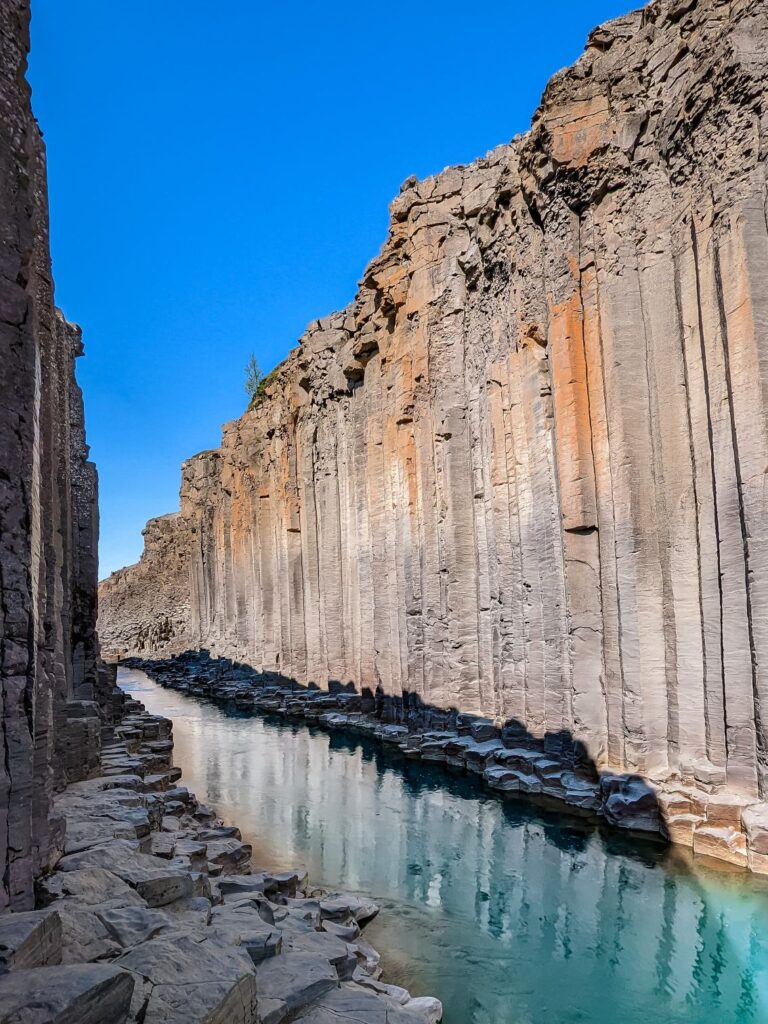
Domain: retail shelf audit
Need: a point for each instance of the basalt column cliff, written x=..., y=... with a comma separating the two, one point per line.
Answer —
x=524, y=473
x=48, y=516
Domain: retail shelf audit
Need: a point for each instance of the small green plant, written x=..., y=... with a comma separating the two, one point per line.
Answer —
x=253, y=378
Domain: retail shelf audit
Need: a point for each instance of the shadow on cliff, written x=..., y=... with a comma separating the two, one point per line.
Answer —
x=628, y=806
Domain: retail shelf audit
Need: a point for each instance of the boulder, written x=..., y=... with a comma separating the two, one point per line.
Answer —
x=84, y=936
x=680, y=828
x=244, y=884
x=337, y=952
x=76, y=994
x=154, y=882
x=478, y=754
x=29, y=939
x=347, y=932
x=194, y=850
x=482, y=729
x=427, y=1008
x=247, y=930
x=510, y=780
x=191, y=978
x=89, y=885
x=290, y=981
x=192, y=912
x=292, y=880
x=341, y=906
x=130, y=925
x=231, y=855
x=354, y=1004
x=630, y=802
x=368, y=959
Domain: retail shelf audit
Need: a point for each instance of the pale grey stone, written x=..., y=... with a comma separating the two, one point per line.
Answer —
x=79, y=994
x=31, y=939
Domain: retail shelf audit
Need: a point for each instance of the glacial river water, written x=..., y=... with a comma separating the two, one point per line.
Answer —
x=508, y=914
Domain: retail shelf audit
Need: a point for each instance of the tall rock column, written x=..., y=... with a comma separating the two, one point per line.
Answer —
x=48, y=517
x=523, y=474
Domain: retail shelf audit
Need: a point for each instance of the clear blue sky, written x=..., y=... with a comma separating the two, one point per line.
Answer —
x=220, y=174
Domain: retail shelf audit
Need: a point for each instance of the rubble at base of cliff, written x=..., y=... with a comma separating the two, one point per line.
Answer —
x=155, y=913
x=705, y=817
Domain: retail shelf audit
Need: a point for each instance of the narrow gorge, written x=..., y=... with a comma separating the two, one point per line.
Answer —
x=123, y=898
x=522, y=475
x=461, y=635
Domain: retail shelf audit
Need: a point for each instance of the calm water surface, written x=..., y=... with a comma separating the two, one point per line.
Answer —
x=506, y=913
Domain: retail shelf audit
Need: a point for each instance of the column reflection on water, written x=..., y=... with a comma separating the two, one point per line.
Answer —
x=510, y=915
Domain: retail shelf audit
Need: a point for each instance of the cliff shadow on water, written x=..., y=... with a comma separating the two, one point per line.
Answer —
x=476, y=877
x=430, y=746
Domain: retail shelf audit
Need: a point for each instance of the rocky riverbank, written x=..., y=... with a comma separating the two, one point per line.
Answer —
x=155, y=913
x=552, y=771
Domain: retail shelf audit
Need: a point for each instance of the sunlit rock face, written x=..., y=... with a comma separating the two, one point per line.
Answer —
x=48, y=517
x=523, y=473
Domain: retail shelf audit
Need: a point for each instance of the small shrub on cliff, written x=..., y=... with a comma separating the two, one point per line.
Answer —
x=253, y=378
x=260, y=382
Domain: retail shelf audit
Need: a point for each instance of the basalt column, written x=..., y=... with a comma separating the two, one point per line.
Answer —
x=48, y=515
x=524, y=473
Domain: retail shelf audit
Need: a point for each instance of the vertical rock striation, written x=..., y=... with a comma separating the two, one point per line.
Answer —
x=523, y=474
x=48, y=513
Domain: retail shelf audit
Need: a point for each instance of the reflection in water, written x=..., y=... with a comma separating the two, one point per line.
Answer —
x=508, y=914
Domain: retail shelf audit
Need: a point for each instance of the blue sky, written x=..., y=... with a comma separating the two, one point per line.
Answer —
x=219, y=176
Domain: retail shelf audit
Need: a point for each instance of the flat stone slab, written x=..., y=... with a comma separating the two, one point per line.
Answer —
x=290, y=981
x=30, y=939
x=89, y=885
x=230, y=854
x=84, y=936
x=129, y=926
x=335, y=950
x=75, y=994
x=231, y=885
x=152, y=880
x=339, y=906
x=191, y=978
x=246, y=929
x=352, y=1004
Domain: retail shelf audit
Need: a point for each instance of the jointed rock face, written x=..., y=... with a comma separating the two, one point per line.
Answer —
x=48, y=516
x=523, y=474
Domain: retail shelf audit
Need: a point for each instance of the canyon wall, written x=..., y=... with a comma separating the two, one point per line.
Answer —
x=523, y=474
x=48, y=512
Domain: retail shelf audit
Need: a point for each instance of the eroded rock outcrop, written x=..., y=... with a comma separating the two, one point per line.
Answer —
x=49, y=715
x=523, y=474
x=155, y=916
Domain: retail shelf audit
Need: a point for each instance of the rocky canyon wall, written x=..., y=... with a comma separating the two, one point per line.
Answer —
x=523, y=474
x=48, y=511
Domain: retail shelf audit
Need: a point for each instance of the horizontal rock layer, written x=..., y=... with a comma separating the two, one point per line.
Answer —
x=523, y=474
x=48, y=516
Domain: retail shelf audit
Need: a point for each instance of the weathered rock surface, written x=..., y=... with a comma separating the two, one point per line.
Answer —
x=523, y=473
x=49, y=722
x=81, y=994
x=191, y=977
x=31, y=939
x=185, y=941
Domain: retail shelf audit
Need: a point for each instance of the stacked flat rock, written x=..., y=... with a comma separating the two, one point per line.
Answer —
x=713, y=822
x=154, y=915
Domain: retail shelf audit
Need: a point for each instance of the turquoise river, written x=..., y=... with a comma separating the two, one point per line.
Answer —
x=507, y=913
